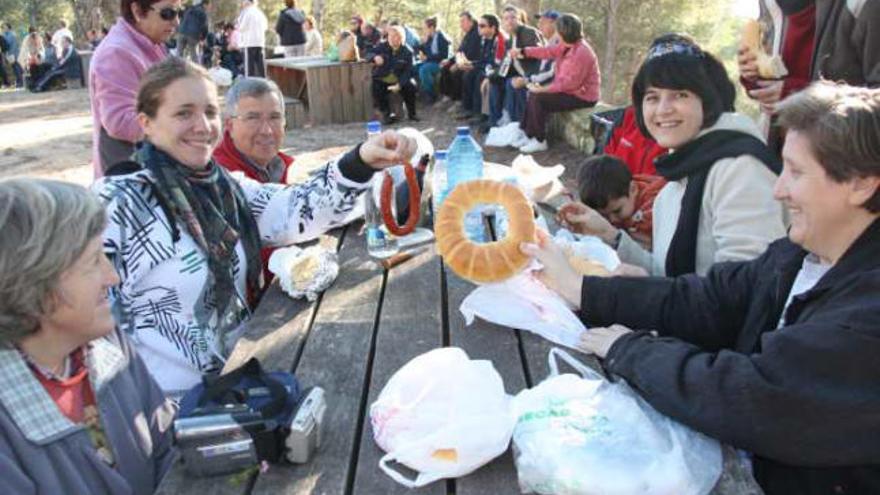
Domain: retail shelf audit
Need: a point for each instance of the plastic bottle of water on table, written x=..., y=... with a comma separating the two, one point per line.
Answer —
x=464, y=162
x=438, y=181
x=380, y=243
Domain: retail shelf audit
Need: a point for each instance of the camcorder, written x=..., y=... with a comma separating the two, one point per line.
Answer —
x=248, y=426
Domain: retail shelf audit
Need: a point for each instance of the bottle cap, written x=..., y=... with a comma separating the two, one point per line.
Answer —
x=463, y=131
x=440, y=155
x=374, y=127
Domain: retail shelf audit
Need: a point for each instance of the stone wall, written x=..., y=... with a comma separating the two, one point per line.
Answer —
x=574, y=127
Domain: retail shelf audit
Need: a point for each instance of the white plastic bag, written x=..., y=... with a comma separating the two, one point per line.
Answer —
x=525, y=303
x=588, y=247
x=586, y=435
x=221, y=77
x=443, y=415
x=502, y=136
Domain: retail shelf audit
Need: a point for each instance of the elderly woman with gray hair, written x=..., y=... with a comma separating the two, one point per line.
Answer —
x=79, y=412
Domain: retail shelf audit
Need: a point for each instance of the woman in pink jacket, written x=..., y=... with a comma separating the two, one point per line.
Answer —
x=575, y=82
x=134, y=43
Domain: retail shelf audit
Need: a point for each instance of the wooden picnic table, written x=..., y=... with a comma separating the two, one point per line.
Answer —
x=350, y=341
x=333, y=92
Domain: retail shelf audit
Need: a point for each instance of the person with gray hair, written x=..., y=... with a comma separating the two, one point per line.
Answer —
x=253, y=120
x=79, y=411
x=775, y=356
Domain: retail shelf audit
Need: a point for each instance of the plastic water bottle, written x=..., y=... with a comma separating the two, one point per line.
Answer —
x=438, y=181
x=380, y=243
x=464, y=162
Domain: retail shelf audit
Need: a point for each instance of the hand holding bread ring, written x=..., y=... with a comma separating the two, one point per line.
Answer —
x=557, y=274
x=387, y=149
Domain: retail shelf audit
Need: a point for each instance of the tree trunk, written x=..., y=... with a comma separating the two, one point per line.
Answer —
x=318, y=13
x=610, y=56
x=531, y=7
x=87, y=16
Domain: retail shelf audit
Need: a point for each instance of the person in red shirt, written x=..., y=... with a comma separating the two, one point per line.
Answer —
x=794, y=43
x=630, y=144
x=254, y=130
x=606, y=185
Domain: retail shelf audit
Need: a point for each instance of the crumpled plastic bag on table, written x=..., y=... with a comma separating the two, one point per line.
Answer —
x=523, y=302
x=304, y=272
x=585, y=435
x=443, y=415
x=588, y=247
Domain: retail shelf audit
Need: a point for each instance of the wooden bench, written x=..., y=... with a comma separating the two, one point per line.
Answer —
x=294, y=113
x=574, y=127
x=333, y=92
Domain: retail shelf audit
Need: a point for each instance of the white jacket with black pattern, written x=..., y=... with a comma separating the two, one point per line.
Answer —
x=165, y=299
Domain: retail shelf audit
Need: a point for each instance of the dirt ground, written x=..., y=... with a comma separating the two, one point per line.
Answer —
x=49, y=135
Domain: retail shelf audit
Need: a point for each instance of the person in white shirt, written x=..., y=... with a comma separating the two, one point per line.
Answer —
x=252, y=25
x=58, y=36
x=314, y=41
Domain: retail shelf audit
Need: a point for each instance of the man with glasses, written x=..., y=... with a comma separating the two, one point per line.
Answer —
x=253, y=131
x=253, y=122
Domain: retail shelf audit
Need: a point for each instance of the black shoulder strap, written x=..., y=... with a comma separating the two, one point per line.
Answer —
x=220, y=388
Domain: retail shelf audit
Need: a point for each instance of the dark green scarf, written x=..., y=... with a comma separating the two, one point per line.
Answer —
x=215, y=212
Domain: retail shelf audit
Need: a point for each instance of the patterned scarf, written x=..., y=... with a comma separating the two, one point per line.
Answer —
x=215, y=212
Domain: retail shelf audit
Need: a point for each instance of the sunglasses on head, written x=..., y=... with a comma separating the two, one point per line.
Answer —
x=168, y=13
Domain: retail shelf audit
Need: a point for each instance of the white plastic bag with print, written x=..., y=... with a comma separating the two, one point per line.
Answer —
x=443, y=415
x=585, y=435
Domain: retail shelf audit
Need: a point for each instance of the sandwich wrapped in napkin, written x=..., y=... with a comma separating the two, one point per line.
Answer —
x=304, y=272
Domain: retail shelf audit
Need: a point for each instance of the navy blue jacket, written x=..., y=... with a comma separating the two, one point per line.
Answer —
x=803, y=398
x=194, y=23
x=442, y=47
x=470, y=44
x=400, y=62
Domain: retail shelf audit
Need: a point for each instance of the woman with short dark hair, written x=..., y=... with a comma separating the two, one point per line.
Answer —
x=79, y=412
x=134, y=43
x=718, y=204
x=576, y=81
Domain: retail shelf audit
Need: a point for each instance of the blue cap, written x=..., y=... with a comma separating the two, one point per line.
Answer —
x=440, y=155
x=463, y=131
x=374, y=126
x=549, y=14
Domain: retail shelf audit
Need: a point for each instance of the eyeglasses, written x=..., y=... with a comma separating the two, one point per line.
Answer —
x=255, y=120
x=168, y=13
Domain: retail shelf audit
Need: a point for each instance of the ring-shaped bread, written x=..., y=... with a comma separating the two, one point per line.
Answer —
x=491, y=261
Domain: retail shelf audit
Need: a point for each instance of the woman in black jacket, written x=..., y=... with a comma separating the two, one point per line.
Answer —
x=289, y=28
x=392, y=72
x=775, y=356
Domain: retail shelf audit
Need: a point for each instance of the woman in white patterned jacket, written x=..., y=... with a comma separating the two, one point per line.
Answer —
x=185, y=234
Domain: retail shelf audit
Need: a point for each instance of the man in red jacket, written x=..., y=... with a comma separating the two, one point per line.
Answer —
x=254, y=130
